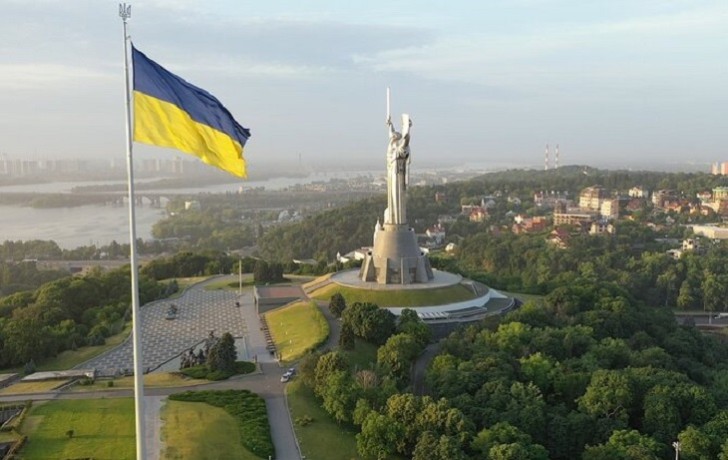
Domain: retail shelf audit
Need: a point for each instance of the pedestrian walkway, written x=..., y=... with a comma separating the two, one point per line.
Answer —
x=199, y=312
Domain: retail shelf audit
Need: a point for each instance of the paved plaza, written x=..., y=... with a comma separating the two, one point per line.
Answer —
x=198, y=312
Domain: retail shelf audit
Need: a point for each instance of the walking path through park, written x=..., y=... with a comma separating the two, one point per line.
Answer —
x=199, y=312
x=154, y=444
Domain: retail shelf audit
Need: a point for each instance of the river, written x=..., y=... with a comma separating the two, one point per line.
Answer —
x=100, y=225
x=76, y=226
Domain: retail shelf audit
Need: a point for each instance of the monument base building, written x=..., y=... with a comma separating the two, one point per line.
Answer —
x=395, y=258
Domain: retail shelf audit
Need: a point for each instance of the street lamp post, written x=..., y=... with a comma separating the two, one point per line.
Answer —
x=676, y=446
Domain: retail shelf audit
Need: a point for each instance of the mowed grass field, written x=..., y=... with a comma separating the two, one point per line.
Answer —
x=297, y=328
x=103, y=429
x=322, y=439
x=199, y=431
x=396, y=298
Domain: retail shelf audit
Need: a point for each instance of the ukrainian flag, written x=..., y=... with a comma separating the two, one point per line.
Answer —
x=169, y=112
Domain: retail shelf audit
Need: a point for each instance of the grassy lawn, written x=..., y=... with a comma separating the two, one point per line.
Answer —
x=184, y=283
x=32, y=387
x=248, y=412
x=297, y=328
x=155, y=380
x=228, y=285
x=396, y=298
x=103, y=429
x=322, y=439
x=193, y=430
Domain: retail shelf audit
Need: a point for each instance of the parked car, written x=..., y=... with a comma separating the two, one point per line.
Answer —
x=288, y=375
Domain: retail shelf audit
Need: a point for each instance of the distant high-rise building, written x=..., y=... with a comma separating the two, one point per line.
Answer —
x=591, y=197
x=720, y=169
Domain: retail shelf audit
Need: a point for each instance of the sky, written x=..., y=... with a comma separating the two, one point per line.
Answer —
x=489, y=82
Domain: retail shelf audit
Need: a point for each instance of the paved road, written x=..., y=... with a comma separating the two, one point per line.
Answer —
x=420, y=366
x=703, y=320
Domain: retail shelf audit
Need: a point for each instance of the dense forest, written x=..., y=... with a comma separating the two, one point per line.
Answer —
x=68, y=313
x=589, y=372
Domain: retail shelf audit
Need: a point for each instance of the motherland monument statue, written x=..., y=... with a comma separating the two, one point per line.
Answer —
x=395, y=257
x=398, y=160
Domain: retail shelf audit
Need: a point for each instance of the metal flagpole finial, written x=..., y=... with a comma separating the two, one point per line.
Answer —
x=124, y=11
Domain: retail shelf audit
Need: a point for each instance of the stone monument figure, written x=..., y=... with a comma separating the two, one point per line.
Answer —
x=398, y=159
x=395, y=257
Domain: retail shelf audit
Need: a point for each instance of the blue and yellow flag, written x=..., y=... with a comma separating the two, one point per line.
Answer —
x=169, y=112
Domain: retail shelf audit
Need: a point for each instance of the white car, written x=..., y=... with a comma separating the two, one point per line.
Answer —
x=287, y=375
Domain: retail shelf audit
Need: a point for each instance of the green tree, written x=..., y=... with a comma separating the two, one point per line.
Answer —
x=347, y=338
x=410, y=323
x=627, y=444
x=695, y=445
x=379, y=436
x=340, y=394
x=337, y=304
x=515, y=451
x=488, y=440
x=369, y=322
x=326, y=365
x=687, y=297
x=223, y=355
x=261, y=272
x=609, y=394
x=397, y=355
x=307, y=369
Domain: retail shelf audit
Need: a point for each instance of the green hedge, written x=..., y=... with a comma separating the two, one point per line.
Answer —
x=202, y=372
x=248, y=409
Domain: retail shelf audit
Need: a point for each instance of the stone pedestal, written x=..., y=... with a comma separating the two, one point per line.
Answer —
x=396, y=258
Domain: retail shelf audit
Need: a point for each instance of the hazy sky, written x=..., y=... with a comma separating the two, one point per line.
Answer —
x=486, y=82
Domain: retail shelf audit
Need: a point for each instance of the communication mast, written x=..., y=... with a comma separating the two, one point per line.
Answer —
x=546, y=159
x=556, y=157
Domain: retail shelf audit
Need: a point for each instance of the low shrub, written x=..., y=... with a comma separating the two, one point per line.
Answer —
x=304, y=420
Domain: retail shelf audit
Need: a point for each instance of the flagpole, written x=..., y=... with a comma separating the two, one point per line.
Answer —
x=125, y=14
